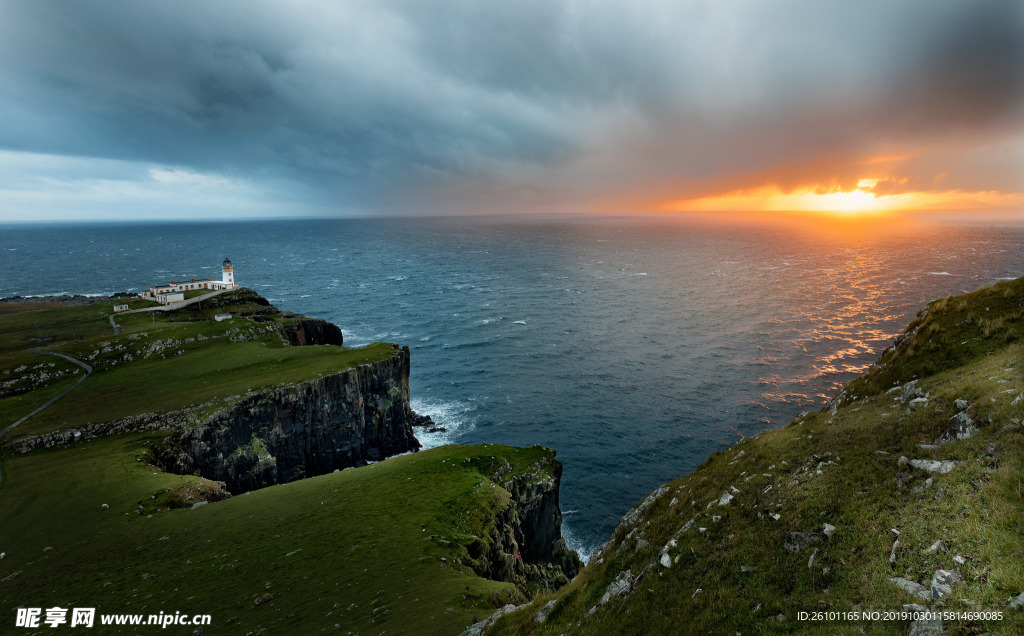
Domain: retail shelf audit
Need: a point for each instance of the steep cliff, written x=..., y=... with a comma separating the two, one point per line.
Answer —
x=523, y=543
x=310, y=331
x=311, y=428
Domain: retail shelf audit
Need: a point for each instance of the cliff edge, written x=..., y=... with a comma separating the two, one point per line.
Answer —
x=310, y=428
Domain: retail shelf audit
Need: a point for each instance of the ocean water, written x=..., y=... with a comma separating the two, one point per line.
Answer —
x=635, y=346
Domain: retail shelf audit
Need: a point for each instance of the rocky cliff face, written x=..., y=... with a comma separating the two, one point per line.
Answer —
x=311, y=428
x=311, y=331
x=524, y=545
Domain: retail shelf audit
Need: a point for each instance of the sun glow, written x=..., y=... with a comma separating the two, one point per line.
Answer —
x=834, y=199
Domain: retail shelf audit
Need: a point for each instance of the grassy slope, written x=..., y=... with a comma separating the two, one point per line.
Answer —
x=962, y=350
x=361, y=549
x=192, y=360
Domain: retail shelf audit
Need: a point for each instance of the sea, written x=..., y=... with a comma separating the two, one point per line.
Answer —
x=635, y=346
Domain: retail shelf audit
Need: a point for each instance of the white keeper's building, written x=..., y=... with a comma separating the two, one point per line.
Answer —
x=175, y=291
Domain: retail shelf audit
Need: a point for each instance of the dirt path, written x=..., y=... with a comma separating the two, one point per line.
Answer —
x=88, y=370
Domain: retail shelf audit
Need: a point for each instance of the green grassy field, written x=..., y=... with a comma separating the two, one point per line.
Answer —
x=369, y=550
x=159, y=362
x=731, y=574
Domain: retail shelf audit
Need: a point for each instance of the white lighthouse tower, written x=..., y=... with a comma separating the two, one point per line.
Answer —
x=229, y=274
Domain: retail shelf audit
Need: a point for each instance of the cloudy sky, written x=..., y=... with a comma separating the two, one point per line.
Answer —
x=140, y=109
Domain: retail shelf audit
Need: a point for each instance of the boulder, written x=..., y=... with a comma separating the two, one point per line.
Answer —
x=542, y=613
x=961, y=426
x=934, y=466
x=943, y=582
x=909, y=586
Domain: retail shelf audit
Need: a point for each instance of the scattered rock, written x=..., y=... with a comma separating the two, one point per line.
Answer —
x=959, y=560
x=621, y=586
x=910, y=392
x=1015, y=602
x=476, y=629
x=11, y=576
x=266, y=598
x=961, y=426
x=198, y=504
x=943, y=582
x=542, y=613
x=903, y=479
x=928, y=447
x=909, y=586
x=633, y=515
x=936, y=547
x=666, y=560
x=925, y=486
x=810, y=561
x=747, y=568
x=961, y=404
x=725, y=499
x=796, y=541
x=934, y=466
x=828, y=529
x=104, y=507
x=892, y=552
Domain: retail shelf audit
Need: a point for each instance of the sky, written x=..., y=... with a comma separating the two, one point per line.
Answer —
x=140, y=109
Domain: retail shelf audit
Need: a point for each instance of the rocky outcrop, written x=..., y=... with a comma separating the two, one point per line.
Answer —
x=524, y=544
x=311, y=428
x=170, y=420
x=310, y=331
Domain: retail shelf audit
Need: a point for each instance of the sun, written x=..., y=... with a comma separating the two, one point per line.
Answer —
x=836, y=200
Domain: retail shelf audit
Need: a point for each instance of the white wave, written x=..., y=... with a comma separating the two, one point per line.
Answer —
x=455, y=416
x=519, y=322
x=424, y=338
x=940, y=273
x=573, y=542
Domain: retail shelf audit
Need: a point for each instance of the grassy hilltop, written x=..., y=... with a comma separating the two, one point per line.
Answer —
x=806, y=518
x=402, y=546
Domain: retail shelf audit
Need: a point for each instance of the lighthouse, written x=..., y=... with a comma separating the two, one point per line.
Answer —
x=229, y=274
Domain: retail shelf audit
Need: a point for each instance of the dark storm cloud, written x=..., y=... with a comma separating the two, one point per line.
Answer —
x=422, y=105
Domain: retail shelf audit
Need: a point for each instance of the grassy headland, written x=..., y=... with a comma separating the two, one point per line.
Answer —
x=159, y=361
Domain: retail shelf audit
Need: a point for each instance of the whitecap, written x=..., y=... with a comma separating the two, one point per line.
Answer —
x=455, y=416
x=519, y=322
x=940, y=273
x=575, y=543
